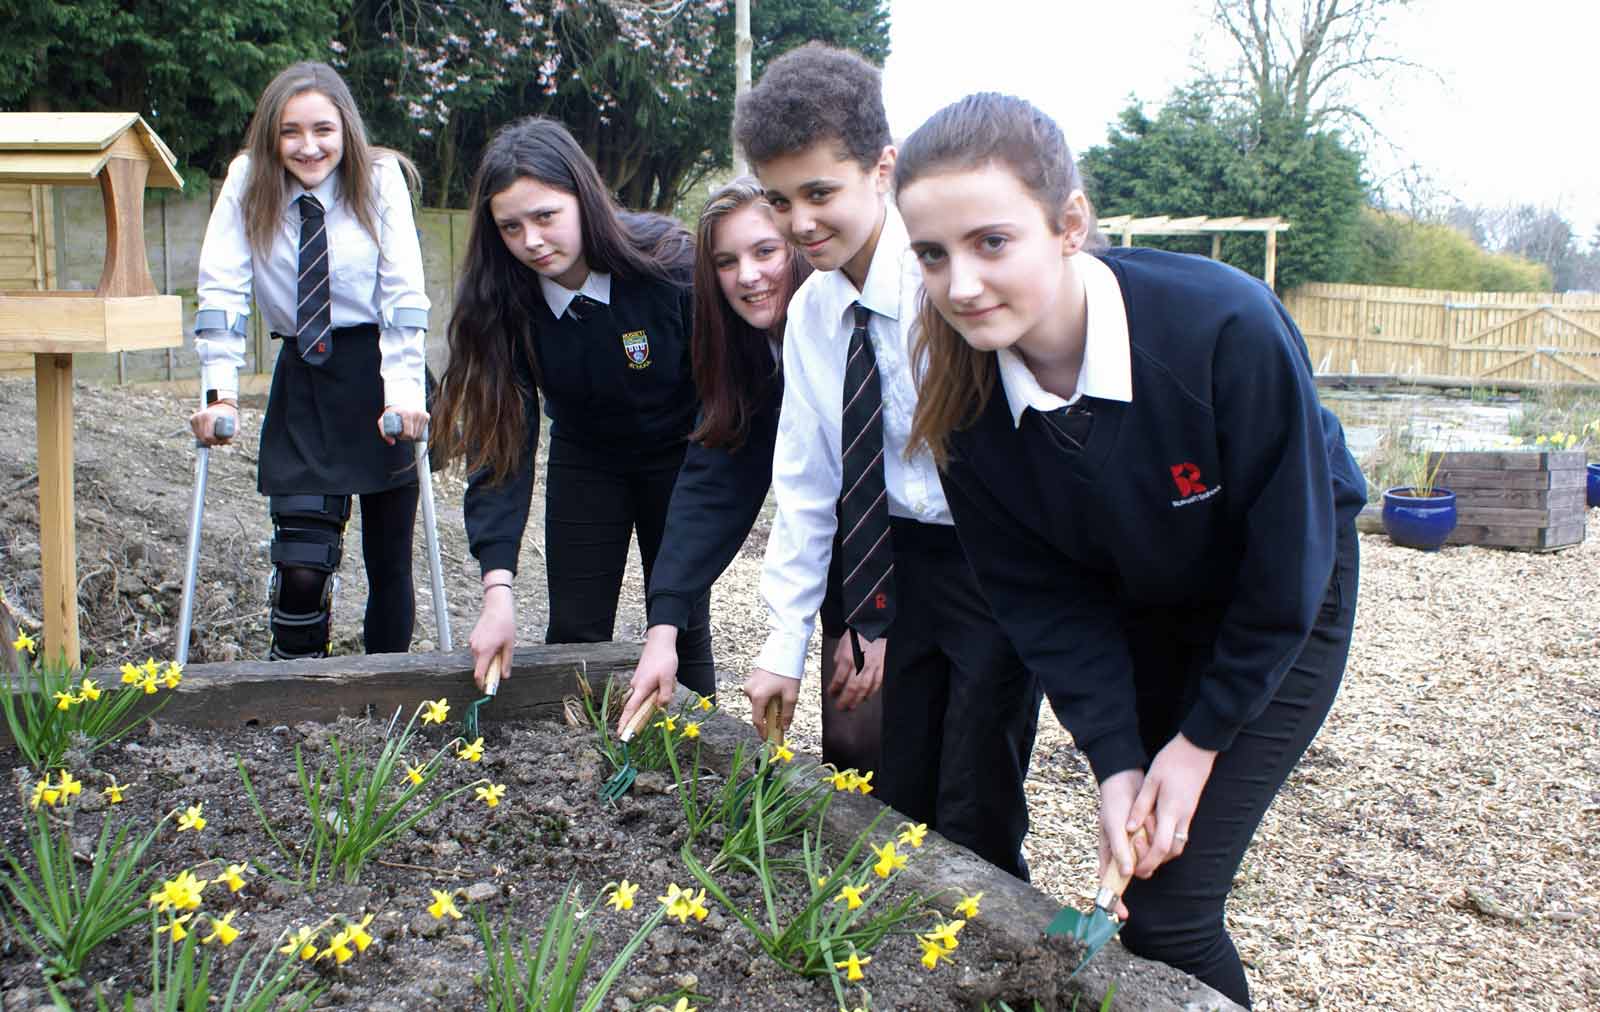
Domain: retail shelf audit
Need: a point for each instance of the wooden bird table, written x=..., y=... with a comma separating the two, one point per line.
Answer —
x=122, y=155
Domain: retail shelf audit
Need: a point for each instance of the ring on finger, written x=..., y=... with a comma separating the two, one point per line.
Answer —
x=1181, y=837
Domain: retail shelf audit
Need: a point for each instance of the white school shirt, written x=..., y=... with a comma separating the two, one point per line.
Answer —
x=806, y=469
x=1107, y=370
x=370, y=281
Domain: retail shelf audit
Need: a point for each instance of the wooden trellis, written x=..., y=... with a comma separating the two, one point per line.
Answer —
x=1127, y=226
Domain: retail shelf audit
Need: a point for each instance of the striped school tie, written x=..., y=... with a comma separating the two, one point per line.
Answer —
x=313, y=318
x=867, y=551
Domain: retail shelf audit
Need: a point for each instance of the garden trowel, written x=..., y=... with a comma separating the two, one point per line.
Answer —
x=1097, y=927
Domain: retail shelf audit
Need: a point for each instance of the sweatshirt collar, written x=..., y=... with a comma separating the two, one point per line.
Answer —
x=1106, y=372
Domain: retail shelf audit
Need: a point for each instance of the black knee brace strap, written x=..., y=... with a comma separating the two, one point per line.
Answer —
x=308, y=530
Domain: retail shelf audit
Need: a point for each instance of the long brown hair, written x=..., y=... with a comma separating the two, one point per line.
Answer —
x=731, y=363
x=954, y=379
x=481, y=406
x=266, y=189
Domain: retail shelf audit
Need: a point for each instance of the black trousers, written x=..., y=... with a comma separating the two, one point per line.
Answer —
x=595, y=501
x=1176, y=916
x=959, y=708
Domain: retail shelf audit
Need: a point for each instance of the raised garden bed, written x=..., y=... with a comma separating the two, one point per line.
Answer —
x=512, y=863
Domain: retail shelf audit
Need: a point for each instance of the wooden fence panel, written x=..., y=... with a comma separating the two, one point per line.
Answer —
x=1471, y=337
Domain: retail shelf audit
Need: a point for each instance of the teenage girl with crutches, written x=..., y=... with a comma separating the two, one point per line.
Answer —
x=316, y=225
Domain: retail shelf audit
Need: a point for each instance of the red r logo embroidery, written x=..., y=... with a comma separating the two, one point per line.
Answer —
x=880, y=601
x=1187, y=477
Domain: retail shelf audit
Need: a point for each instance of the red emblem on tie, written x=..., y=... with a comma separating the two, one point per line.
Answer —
x=880, y=601
x=322, y=346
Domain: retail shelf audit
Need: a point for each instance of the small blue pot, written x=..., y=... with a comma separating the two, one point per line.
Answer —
x=1419, y=521
x=1594, y=485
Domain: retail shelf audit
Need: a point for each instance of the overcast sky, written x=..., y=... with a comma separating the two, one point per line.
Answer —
x=1507, y=114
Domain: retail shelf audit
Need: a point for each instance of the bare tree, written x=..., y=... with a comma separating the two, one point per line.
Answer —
x=1299, y=58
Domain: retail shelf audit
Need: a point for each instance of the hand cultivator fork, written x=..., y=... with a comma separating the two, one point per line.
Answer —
x=622, y=780
x=491, y=685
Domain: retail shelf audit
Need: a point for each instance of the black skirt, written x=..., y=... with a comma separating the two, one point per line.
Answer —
x=321, y=431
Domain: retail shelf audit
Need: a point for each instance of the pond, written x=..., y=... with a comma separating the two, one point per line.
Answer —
x=1428, y=421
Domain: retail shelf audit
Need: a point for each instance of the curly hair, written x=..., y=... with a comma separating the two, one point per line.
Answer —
x=810, y=95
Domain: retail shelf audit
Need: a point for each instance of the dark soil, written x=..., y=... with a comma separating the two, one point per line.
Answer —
x=511, y=863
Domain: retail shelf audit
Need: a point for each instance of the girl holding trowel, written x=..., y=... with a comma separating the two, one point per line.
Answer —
x=1158, y=509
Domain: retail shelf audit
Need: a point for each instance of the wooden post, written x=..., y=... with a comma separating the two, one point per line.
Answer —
x=1216, y=245
x=743, y=47
x=57, y=540
x=1270, y=274
x=127, y=270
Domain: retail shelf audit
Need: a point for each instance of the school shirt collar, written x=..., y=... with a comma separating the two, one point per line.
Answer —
x=326, y=192
x=596, y=286
x=1106, y=372
x=883, y=288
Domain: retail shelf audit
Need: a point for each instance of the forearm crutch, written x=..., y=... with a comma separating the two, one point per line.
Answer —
x=223, y=428
x=392, y=427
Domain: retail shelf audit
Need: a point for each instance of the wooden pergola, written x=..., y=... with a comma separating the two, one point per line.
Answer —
x=1126, y=226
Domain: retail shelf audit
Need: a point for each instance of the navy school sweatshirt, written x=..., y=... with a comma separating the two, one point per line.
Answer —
x=616, y=380
x=1216, y=494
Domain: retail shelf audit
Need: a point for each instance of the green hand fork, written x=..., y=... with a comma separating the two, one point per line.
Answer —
x=622, y=780
x=491, y=685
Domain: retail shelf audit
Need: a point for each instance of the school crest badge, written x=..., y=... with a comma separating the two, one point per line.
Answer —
x=636, y=344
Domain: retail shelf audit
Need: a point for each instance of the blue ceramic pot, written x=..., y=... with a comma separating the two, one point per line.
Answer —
x=1594, y=484
x=1419, y=521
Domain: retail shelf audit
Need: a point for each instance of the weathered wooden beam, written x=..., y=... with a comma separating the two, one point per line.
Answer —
x=251, y=693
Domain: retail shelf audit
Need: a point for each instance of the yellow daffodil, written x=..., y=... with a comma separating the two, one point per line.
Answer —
x=932, y=951
x=149, y=684
x=181, y=893
x=174, y=676
x=472, y=751
x=222, y=930
x=822, y=880
x=843, y=780
x=176, y=926
x=492, y=794
x=622, y=896
x=444, y=905
x=358, y=933
x=151, y=668
x=864, y=783
x=131, y=675
x=704, y=703
x=945, y=934
x=683, y=1006
x=414, y=774
x=679, y=902
x=68, y=786
x=338, y=947
x=691, y=729
x=24, y=642
x=191, y=818
x=435, y=711
x=64, y=700
x=913, y=834
x=852, y=966
x=89, y=690
x=233, y=876
x=783, y=753
x=851, y=896
x=669, y=722
x=697, y=905
x=889, y=860
x=302, y=941
x=968, y=907
x=44, y=793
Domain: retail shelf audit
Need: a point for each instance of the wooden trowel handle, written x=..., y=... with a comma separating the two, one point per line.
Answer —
x=1114, y=882
x=491, y=679
x=640, y=718
x=775, y=720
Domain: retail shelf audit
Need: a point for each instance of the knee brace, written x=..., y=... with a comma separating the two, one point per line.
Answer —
x=307, y=547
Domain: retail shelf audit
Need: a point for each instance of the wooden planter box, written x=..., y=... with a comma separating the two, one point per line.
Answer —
x=1522, y=499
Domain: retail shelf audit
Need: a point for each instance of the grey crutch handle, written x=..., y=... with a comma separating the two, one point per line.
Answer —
x=223, y=428
x=393, y=426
